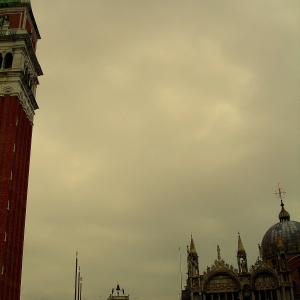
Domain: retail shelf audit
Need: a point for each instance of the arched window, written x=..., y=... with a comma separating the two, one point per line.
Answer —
x=8, y=61
x=221, y=287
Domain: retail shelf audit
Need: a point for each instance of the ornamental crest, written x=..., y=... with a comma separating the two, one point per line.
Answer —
x=219, y=265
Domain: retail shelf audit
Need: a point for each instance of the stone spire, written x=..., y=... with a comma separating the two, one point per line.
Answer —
x=193, y=277
x=192, y=259
x=241, y=249
x=192, y=245
x=241, y=256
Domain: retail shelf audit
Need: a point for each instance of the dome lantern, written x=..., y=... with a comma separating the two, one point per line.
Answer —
x=283, y=215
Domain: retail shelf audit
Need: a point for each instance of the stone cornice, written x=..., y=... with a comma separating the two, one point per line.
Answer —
x=15, y=90
x=18, y=76
x=22, y=35
x=15, y=84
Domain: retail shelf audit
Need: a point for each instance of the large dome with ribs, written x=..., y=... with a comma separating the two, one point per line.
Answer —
x=289, y=232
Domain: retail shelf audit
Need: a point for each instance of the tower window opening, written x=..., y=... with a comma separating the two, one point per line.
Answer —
x=1, y=59
x=8, y=61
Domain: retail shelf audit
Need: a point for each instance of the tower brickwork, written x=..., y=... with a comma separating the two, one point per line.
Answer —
x=19, y=71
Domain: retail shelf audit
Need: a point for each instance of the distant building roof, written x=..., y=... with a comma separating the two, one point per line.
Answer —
x=14, y=1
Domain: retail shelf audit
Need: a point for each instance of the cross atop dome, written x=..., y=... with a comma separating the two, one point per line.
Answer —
x=280, y=193
x=283, y=215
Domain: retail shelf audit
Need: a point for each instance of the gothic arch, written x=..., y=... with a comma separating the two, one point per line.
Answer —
x=264, y=278
x=265, y=284
x=221, y=281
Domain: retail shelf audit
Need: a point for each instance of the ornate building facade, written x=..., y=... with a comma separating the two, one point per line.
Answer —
x=19, y=71
x=274, y=276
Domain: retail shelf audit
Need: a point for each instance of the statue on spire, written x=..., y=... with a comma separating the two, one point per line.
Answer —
x=219, y=252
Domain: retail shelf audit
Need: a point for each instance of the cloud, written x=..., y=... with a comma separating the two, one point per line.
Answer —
x=157, y=120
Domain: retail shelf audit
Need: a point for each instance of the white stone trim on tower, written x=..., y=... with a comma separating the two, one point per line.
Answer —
x=15, y=89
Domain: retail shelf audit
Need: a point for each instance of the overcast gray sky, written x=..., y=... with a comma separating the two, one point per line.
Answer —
x=158, y=119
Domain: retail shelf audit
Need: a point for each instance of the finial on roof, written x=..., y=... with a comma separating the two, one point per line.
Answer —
x=283, y=215
x=192, y=245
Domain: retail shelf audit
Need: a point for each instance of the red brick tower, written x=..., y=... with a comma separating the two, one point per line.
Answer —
x=19, y=70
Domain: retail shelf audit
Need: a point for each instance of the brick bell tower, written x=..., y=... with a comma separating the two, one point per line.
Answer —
x=19, y=71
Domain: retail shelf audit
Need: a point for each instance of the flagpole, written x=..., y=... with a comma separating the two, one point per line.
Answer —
x=80, y=288
x=180, y=267
x=78, y=283
x=76, y=269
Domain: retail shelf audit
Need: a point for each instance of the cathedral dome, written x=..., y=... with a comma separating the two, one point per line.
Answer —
x=289, y=232
x=284, y=235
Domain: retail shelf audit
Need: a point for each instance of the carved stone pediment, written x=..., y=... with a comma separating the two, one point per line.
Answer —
x=219, y=265
x=261, y=265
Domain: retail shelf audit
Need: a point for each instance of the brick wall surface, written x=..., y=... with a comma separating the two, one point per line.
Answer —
x=15, y=145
